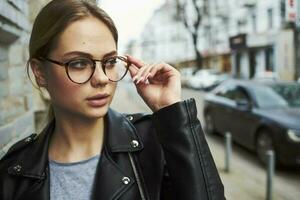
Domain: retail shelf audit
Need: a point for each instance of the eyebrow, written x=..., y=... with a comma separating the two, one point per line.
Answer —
x=112, y=53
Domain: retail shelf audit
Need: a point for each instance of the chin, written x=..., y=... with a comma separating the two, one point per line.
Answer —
x=97, y=112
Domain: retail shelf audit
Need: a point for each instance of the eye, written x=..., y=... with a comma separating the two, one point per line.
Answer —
x=80, y=63
x=111, y=62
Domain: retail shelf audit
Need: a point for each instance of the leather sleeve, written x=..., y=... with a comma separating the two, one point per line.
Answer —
x=189, y=162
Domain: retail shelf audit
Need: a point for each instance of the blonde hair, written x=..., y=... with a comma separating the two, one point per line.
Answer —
x=53, y=19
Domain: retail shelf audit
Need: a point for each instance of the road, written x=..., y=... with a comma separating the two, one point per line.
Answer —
x=247, y=178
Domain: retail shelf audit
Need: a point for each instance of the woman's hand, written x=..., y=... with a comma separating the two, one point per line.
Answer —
x=158, y=84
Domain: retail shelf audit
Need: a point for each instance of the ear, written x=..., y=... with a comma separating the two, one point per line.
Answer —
x=39, y=72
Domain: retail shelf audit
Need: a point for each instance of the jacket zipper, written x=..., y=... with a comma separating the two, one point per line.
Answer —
x=138, y=180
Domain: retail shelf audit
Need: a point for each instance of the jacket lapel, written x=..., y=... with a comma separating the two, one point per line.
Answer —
x=114, y=173
x=112, y=181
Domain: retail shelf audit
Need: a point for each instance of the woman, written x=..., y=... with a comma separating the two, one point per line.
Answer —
x=89, y=151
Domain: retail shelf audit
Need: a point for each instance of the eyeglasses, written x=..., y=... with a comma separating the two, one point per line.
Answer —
x=81, y=70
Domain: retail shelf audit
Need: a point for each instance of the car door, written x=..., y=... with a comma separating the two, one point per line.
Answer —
x=223, y=106
x=242, y=118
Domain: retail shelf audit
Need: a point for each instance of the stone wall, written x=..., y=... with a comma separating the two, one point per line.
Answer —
x=18, y=100
x=22, y=107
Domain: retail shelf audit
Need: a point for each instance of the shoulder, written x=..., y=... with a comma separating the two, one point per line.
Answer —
x=144, y=128
x=143, y=125
x=19, y=146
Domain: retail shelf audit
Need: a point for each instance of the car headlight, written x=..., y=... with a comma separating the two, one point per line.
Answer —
x=294, y=136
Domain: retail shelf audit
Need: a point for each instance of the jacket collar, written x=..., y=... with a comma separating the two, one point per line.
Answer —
x=121, y=133
x=120, y=136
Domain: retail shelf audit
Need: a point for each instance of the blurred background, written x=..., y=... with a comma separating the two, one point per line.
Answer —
x=240, y=60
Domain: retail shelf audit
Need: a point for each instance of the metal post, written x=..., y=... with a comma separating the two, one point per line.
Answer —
x=228, y=151
x=270, y=173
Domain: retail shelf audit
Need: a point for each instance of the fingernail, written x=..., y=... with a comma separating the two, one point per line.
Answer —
x=139, y=80
x=148, y=75
x=134, y=78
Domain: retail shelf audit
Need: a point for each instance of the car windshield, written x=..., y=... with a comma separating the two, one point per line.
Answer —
x=266, y=97
x=290, y=92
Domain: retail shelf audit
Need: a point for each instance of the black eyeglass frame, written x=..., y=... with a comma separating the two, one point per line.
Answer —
x=65, y=64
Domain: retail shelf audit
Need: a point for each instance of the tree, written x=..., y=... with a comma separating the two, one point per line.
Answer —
x=192, y=21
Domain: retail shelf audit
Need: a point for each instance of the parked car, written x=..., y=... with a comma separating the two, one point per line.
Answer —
x=258, y=117
x=206, y=79
x=201, y=79
x=186, y=74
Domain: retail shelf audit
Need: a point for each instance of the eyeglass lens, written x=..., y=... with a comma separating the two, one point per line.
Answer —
x=81, y=70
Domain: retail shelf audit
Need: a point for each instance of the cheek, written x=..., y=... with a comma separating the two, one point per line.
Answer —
x=61, y=89
x=70, y=96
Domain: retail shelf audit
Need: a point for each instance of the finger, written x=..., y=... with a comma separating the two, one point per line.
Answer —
x=139, y=76
x=152, y=74
x=138, y=63
x=146, y=73
x=163, y=67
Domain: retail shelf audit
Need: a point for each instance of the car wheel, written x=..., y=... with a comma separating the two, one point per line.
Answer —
x=209, y=124
x=264, y=143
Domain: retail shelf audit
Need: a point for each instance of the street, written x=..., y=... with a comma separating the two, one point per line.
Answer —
x=247, y=178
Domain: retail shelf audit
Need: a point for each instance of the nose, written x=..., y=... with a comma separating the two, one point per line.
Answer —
x=99, y=77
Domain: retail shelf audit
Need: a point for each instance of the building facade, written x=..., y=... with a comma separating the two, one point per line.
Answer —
x=260, y=41
x=19, y=102
x=243, y=37
x=164, y=37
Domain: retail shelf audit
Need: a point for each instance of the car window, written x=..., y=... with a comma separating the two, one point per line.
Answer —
x=227, y=91
x=232, y=92
x=290, y=92
x=266, y=97
x=240, y=94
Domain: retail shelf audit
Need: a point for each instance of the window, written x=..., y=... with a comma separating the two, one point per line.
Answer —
x=227, y=91
x=3, y=68
x=254, y=22
x=233, y=92
x=270, y=18
x=240, y=95
x=282, y=11
x=240, y=25
x=266, y=97
x=270, y=59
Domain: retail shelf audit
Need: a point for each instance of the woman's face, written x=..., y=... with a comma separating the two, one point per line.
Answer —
x=91, y=38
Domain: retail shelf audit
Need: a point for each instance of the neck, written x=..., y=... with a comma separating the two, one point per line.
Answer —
x=76, y=138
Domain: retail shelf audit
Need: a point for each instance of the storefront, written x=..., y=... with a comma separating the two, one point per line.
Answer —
x=239, y=56
x=252, y=54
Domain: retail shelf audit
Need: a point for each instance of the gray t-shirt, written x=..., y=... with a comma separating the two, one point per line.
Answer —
x=72, y=180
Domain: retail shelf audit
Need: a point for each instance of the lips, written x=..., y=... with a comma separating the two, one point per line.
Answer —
x=97, y=97
x=98, y=100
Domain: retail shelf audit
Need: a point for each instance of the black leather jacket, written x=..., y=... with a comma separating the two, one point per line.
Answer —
x=158, y=156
